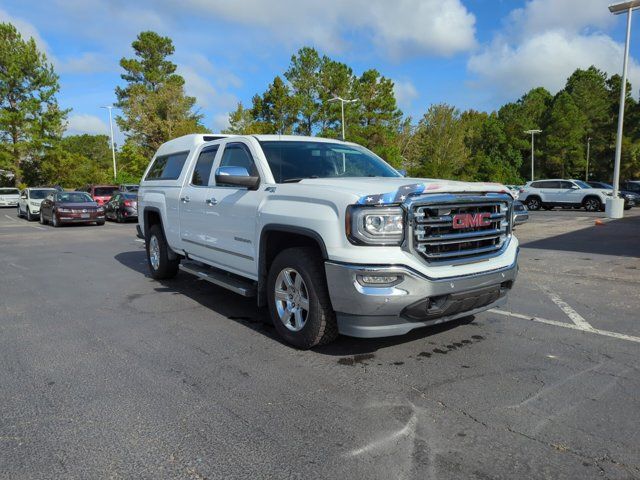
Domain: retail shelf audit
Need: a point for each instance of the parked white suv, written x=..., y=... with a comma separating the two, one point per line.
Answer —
x=9, y=197
x=551, y=193
x=326, y=234
x=30, y=200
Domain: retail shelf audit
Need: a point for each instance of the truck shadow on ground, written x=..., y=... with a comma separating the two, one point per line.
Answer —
x=244, y=311
x=618, y=237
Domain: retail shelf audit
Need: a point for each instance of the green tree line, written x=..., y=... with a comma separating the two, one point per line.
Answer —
x=444, y=143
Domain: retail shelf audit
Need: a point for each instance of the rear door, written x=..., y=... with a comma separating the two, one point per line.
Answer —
x=550, y=191
x=198, y=235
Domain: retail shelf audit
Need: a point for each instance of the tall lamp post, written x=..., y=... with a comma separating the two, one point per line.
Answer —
x=532, y=133
x=586, y=173
x=342, y=102
x=113, y=146
x=615, y=205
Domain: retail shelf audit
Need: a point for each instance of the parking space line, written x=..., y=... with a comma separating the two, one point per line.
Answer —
x=11, y=218
x=570, y=312
x=571, y=326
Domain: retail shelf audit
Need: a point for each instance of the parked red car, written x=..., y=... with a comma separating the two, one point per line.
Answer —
x=70, y=207
x=100, y=193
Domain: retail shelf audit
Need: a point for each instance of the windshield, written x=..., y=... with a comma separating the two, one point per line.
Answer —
x=293, y=161
x=39, y=194
x=130, y=196
x=9, y=191
x=582, y=184
x=104, y=191
x=74, y=197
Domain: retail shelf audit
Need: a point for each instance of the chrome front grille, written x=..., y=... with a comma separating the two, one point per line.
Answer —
x=462, y=230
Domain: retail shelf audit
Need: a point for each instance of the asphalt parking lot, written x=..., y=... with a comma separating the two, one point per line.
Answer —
x=106, y=373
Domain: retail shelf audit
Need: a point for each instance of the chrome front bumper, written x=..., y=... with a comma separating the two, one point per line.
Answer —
x=416, y=301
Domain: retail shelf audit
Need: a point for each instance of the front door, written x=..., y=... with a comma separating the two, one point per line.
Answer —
x=236, y=213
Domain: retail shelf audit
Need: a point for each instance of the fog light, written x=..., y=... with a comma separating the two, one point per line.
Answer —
x=379, y=280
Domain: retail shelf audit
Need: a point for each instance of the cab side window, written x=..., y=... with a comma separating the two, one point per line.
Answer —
x=238, y=155
x=202, y=170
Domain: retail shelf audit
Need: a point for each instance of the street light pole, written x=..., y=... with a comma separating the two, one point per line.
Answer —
x=615, y=205
x=342, y=102
x=586, y=173
x=113, y=147
x=532, y=132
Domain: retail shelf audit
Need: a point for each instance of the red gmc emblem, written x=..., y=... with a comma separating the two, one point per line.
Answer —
x=470, y=220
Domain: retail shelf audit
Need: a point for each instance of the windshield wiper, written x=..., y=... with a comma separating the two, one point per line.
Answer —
x=295, y=180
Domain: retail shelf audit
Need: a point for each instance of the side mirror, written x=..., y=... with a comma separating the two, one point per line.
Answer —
x=403, y=172
x=236, y=177
x=575, y=187
x=520, y=213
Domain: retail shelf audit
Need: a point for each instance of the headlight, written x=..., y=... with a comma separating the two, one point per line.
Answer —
x=100, y=209
x=375, y=225
x=609, y=194
x=34, y=204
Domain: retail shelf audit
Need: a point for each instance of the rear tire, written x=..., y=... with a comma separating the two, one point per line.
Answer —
x=533, y=203
x=160, y=265
x=299, y=300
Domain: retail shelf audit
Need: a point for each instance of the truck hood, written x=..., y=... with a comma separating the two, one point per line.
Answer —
x=381, y=190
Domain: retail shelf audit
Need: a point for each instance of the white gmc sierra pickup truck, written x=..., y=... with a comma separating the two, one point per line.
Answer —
x=328, y=235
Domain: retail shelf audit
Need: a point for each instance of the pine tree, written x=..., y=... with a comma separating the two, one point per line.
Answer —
x=31, y=121
x=154, y=105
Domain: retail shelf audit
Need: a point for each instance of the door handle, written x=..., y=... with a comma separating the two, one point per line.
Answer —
x=185, y=199
x=211, y=201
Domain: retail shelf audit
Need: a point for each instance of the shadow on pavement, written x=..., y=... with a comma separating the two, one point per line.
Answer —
x=617, y=237
x=244, y=311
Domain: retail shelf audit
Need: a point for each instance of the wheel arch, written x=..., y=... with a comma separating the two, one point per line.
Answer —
x=277, y=237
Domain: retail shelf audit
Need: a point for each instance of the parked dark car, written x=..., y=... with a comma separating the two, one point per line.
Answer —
x=122, y=207
x=70, y=207
x=631, y=199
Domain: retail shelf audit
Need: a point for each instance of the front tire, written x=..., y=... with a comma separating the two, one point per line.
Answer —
x=54, y=220
x=160, y=265
x=592, y=204
x=299, y=298
x=19, y=212
x=42, y=220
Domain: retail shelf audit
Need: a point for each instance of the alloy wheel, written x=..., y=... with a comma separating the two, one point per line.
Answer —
x=292, y=299
x=154, y=252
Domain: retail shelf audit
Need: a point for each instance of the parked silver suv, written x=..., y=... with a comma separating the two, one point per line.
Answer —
x=548, y=194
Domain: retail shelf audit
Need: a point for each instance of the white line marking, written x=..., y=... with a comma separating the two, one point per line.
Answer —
x=19, y=267
x=570, y=312
x=571, y=326
x=139, y=240
x=11, y=218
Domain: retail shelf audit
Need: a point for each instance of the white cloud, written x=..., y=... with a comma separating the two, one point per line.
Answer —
x=439, y=27
x=405, y=93
x=80, y=123
x=88, y=62
x=207, y=95
x=569, y=15
x=27, y=30
x=220, y=122
x=543, y=43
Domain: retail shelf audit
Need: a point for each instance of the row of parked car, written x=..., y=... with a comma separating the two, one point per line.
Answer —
x=91, y=204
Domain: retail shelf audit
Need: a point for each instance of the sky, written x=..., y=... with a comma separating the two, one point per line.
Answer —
x=475, y=54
